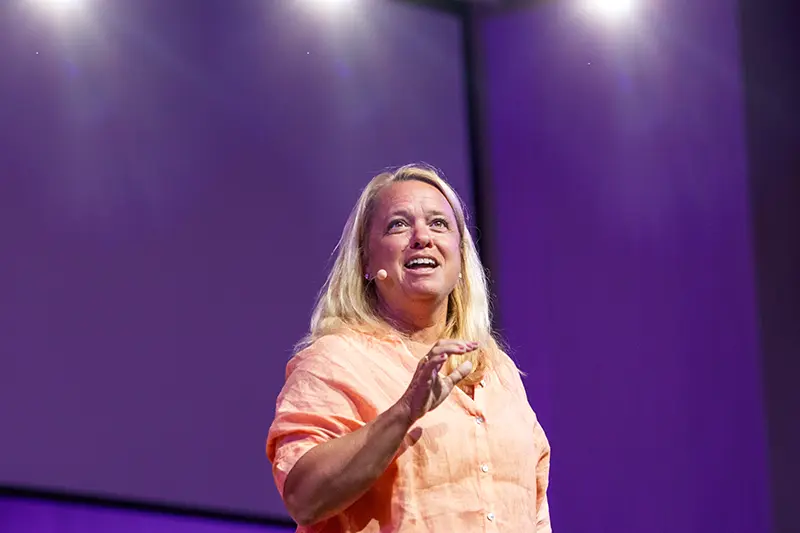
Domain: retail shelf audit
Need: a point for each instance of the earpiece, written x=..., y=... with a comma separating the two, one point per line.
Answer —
x=380, y=276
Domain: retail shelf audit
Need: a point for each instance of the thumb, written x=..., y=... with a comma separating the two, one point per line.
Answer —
x=460, y=373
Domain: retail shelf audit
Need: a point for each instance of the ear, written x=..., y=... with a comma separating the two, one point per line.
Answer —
x=364, y=258
x=366, y=272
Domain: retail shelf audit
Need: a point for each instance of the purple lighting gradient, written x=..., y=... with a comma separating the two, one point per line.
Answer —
x=175, y=174
x=173, y=179
x=625, y=278
x=20, y=516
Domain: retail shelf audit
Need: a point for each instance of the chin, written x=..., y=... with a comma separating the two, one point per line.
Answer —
x=427, y=291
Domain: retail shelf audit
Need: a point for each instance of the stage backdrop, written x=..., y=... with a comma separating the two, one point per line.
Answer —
x=31, y=516
x=173, y=179
x=625, y=277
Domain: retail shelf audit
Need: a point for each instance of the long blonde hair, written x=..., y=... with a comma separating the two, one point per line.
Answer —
x=347, y=301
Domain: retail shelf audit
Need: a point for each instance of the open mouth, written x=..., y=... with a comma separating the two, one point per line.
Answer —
x=422, y=263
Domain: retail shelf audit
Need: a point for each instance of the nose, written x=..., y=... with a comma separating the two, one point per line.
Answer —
x=421, y=238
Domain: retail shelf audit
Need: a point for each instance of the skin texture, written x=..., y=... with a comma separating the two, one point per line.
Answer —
x=413, y=218
x=410, y=219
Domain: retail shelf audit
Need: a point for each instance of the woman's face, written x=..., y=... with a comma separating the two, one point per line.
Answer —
x=413, y=236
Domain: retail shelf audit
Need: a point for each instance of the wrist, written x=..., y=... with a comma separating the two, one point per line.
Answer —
x=400, y=415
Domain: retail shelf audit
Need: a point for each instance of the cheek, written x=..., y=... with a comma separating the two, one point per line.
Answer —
x=452, y=251
x=384, y=251
x=391, y=250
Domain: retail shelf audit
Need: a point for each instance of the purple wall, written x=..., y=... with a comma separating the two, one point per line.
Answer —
x=625, y=277
x=173, y=178
x=30, y=516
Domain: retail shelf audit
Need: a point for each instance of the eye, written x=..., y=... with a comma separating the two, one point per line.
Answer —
x=396, y=223
x=440, y=223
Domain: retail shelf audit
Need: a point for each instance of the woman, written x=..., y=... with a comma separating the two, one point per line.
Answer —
x=400, y=412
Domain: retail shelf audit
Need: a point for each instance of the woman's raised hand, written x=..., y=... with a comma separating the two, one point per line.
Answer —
x=428, y=389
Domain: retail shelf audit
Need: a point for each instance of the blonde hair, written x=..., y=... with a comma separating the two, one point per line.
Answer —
x=347, y=301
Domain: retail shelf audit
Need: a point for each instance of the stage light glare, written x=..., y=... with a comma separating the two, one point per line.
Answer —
x=327, y=8
x=329, y=2
x=612, y=8
x=58, y=5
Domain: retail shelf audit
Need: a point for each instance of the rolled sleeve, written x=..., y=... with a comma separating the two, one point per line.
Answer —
x=318, y=403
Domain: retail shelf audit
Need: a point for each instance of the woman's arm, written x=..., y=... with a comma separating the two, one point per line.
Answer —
x=333, y=475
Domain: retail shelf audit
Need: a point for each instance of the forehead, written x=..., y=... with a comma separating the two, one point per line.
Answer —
x=413, y=196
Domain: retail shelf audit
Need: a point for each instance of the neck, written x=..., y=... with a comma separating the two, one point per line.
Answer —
x=424, y=323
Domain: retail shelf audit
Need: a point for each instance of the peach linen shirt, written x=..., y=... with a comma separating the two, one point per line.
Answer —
x=468, y=466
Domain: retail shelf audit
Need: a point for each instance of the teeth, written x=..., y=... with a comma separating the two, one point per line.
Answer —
x=422, y=261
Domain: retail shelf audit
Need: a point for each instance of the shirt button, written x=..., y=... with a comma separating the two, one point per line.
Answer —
x=490, y=517
x=484, y=468
x=479, y=420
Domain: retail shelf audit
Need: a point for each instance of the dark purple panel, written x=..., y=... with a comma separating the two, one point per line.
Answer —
x=770, y=44
x=173, y=178
x=24, y=516
x=626, y=276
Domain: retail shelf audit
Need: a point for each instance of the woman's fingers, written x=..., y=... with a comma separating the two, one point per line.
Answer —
x=458, y=374
x=437, y=357
x=428, y=388
x=433, y=361
x=453, y=346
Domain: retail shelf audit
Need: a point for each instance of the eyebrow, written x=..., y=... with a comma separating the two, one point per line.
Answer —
x=405, y=213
